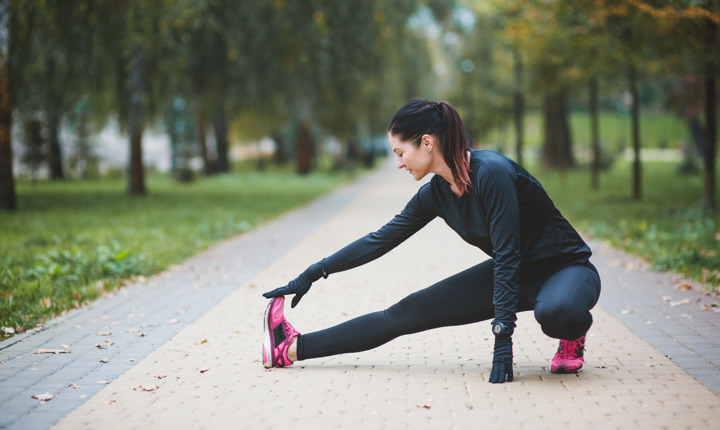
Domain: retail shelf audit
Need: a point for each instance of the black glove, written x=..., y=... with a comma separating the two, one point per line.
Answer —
x=502, y=360
x=299, y=286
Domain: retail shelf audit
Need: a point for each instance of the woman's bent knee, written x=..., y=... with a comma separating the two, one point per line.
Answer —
x=558, y=323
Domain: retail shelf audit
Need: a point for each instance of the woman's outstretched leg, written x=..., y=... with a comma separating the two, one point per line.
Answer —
x=460, y=299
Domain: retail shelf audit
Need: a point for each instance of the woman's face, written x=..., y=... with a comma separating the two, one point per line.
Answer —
x=415, y=159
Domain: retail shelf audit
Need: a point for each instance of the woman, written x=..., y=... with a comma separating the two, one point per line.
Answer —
x=539, y=262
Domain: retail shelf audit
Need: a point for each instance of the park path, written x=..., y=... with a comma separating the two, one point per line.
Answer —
x=646, y=362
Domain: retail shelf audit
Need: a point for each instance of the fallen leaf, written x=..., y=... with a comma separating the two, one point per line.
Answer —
x=104, y=360
x=142, y=334
x=52, y=351
x=200, y=342
x=683, y=286
x=44, y=397
x=172, y=321
x=109, y=402
x=73, y=386
x=423, y=406
x=105, y=344
x=104, y=333
x=666, y=298
x=204, y=369
x=146, y=388
x=626, y=311
x=680, y=303
x=65, y=346
x=132, y=330
x=161, y=376
x=8, y=330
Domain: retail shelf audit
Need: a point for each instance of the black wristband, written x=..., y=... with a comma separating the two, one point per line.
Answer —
x=502, y=330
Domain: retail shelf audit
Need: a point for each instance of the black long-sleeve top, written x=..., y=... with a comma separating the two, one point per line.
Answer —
x=506, y=213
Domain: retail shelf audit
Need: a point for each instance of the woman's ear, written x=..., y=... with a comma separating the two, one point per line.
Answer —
x=428, y=142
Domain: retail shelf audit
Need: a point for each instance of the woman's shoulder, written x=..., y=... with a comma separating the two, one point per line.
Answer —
x=489, y=162
x=425, y=198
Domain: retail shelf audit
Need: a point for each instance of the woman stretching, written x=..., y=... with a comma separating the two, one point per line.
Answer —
x=539, y=262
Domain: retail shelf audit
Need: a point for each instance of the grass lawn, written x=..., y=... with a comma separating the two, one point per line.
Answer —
x=70, y=241
x=667, y=225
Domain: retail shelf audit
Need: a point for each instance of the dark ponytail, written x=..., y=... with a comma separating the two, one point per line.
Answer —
x=419, y=117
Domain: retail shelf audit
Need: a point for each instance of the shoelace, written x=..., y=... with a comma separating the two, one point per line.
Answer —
x=569, y=348
x=287, y=328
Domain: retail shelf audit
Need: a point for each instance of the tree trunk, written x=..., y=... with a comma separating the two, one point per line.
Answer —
x=557, y=148
x=52, y=109
x=635, y=121
x=7, y=180
x=519, y=106
x=594, y=134
x=202, y=144
x=136, y=176
x=221, y=139
x=304, y=147
x=709, y=146
x=54, y=152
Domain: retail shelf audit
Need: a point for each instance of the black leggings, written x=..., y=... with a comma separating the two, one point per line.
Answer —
x=561, y=302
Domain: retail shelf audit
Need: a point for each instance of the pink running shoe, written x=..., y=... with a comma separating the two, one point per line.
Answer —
x=279, y=334
x=569, y=357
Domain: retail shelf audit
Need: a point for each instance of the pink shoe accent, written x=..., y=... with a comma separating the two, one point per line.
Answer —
x=569, y=357
x=279, y=334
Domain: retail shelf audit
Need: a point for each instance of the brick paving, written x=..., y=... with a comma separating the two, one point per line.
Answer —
x=205, y=371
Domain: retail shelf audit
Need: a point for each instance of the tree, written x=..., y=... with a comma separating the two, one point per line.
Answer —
x=481, y=59
x=129, y=67
x=7, y=181
x=690, y=45
x=538, y=31
x=49, y=51
x=594, y=57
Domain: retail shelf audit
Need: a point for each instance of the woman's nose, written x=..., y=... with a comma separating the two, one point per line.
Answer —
x=400, y=164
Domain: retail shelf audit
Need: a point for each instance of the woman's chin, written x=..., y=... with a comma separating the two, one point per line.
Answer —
x=417, y=177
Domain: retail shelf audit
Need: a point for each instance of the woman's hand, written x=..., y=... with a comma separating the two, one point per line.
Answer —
x=502, y=361
x=298, y=286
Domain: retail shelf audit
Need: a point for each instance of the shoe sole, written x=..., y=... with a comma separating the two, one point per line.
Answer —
x=267, y=345
x=565, y=371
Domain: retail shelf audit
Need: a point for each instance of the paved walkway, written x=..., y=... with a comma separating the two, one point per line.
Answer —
x=185, y=346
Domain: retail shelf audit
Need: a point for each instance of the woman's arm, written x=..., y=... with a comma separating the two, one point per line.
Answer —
x=499, y=197
x=417, y=213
